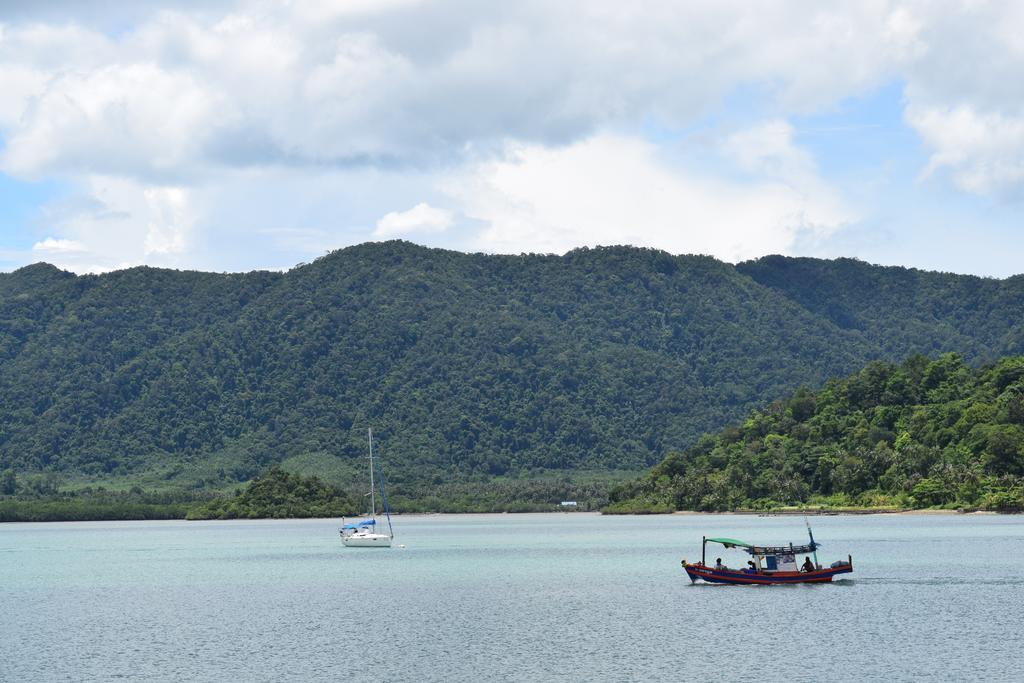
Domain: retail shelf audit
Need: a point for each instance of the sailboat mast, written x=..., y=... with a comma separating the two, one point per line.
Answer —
x=373, y=502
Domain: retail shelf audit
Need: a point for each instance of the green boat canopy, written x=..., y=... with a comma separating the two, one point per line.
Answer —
x=729, y=542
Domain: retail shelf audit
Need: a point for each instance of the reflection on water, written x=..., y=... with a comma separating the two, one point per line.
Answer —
x=507, y=597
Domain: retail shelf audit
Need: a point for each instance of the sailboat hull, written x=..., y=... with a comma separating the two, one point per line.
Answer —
x=367, y=541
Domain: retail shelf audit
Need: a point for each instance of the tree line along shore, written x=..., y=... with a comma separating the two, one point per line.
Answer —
x=921, y=434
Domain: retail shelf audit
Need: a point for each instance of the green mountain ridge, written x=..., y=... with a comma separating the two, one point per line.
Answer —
x=467, y=366
x=897, y=308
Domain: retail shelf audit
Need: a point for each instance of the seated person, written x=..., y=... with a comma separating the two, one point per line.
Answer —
x=807, y=566
x=751, y=567
x=719, y=565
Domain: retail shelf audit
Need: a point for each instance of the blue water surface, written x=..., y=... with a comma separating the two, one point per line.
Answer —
x=564, y=597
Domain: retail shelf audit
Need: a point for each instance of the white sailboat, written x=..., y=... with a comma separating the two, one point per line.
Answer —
x=363, y=534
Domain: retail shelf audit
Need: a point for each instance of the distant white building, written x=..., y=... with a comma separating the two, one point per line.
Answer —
x=568, y=503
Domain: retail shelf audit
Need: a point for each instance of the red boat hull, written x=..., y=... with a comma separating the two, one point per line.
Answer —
x=711, y=575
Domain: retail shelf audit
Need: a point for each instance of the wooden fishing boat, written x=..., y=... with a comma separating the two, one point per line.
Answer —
x=769, y=564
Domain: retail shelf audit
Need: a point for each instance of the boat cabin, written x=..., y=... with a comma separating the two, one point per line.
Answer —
x=768, y=558
x=366, y=526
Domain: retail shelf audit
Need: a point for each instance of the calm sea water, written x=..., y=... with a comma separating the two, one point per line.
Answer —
x=572, y=597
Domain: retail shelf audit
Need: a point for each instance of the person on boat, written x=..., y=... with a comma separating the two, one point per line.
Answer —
x=808, y=566
x=719, y=565
x=751, y=567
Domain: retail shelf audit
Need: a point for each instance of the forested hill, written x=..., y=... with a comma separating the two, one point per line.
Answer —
x=922, y=433
x=464, y=364
x=899, y=308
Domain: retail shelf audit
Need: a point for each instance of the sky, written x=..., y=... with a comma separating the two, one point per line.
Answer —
x=232, y=136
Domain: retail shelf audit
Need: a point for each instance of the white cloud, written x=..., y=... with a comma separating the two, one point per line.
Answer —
x=429, y=82
x=420, y=219
x=767, y=149
x=170, y=220
x=54, y=245
x=984, y=152
x=615, y=190
x=18, y=83
x=116, y=223
x=187, y=128
x=963, y=93
x=419, y=83
x=769, y=153
x=134, y=120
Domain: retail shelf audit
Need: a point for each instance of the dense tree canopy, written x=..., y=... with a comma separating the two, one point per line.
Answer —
x=922, y=433
x=467, y=365
x=279, y=494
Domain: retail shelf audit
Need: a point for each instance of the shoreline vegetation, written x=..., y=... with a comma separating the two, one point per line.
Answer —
x=75, y=511
x=916, y=435
x=280, y=495
x=923, y=435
